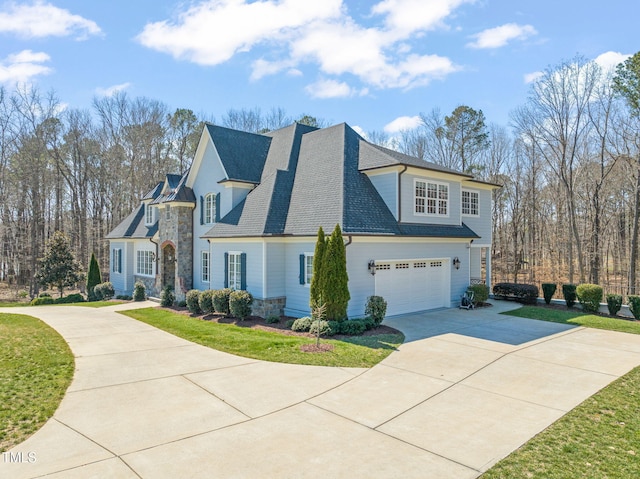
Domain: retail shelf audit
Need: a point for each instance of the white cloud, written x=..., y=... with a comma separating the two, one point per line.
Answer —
x=609, y=60
x=41, y=19
x=360, y=131
x=499, y=36
x=318, y=33
x=23, y=66
x=532, y=77
x=112, y=90
x=403, y=123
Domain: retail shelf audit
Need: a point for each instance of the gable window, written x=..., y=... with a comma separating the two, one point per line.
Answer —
x=148, y=214
x=306, y=268
x=470, y=203
x=204, y=266
x=209, y=208
x=431, y=198
x=144, y=263
x=167, y=212
x=235, y=270
x=116, y=260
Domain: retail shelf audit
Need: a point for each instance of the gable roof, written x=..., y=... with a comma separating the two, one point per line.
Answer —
x=175, y=189
x=133, y=226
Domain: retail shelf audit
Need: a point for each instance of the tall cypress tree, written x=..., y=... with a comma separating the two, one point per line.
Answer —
x=316, y=288
x=94, y=277
x=334, y=277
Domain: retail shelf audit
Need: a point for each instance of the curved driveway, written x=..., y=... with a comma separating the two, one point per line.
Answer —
x=463, y=391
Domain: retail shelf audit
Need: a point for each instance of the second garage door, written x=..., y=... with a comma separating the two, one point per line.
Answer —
x=413, y=285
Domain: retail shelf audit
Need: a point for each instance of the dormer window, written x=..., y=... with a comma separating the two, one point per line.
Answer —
x=149, y=214
x=209, y=208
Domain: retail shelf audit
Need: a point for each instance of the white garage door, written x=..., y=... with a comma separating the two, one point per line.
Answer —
x=413, y=285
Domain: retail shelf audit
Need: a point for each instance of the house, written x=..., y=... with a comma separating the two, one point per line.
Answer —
x=247, y=212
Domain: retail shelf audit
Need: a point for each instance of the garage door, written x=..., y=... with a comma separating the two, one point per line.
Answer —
x=413, y=285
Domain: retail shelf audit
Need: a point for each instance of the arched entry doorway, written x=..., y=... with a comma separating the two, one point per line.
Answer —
x=169, y=266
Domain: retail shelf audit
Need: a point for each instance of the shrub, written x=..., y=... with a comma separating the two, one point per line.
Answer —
x=322, y=325
x=523, y=293
x=240, y=304
x=334, y=327
x=167, y=298
x=206, y=301
x=94, y=278
x=220, y=299
x=44, y=295
x=548, y=290
x=104, y=291
x=72, y=298
x=352, y=328
x=376, y=309
x=369, y=323
x=569, y=293
x=124, y=297
x=634, y=305
x=139, y=291
x=193, y=301
x=42, y=300
x=480, y=292
x=589, y=296
x=182, y=303
x=289, y=323
x=614, y=303
x=302, y=324
x=272, y=319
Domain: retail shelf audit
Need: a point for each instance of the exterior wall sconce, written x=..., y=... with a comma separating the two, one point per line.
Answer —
x=456, y=262
x=153, y=256
x=372, y=267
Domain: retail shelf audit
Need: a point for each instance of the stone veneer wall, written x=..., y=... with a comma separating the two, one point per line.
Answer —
x=179, y=230
x=149, y=285
x=268, y=307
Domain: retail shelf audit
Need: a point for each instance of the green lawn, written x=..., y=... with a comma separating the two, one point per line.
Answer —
x=36, y=367
x=598, y=439
x=12, y=304
x=363, y=351
x=88, y=304
x=578, y=318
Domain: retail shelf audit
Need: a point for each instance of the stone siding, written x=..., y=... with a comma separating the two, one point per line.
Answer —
x=179, y=231
x=268, y=307
x=149, y=285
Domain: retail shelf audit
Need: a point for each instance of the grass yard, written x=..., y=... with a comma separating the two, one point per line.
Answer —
x=36, y=367
x=12, y=304
x=578, y=318
x=361, y=352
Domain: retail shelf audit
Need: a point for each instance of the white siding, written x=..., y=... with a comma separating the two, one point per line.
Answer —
x=408, y=201
x=387, y=187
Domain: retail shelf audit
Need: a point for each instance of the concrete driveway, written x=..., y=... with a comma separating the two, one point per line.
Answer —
x=466, y=389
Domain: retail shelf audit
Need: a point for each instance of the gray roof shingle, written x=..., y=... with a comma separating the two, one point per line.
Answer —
x=133, y=226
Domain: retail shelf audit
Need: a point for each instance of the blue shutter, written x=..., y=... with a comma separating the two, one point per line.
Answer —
x=243, y=271
x=201, y=210
x=217, y=207
x=226, y=270
x=302, y=270
x=119, y=261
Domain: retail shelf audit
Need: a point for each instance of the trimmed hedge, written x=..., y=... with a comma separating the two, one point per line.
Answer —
x=590, y=296
x=302, y=324
x=167, y=297
x=72, y=298
x=522, y=293
x=139, y=291
x=548, y=290
x=239, y=304
x=614, y=303
x=220, y=299
x=480, y=292
x=352, y=327
x=205, y=301
x=569, y=293
x=193, y=301
x=634, y=305
x=42, y=300
x=104, y=291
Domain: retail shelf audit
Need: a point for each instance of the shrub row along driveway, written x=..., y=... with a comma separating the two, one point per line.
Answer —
x=467, y=388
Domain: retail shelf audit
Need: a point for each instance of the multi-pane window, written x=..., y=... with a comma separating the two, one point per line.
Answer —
x=235, y=270
x=144, y=263
x=308, y=268
x=149, y=214
x=204, y=266
x=167, y=210
x=470, y=203
x=116, y=260
x=210, y=208
x=431, y=198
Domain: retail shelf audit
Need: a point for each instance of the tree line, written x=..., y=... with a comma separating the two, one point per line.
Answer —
x=569, y=163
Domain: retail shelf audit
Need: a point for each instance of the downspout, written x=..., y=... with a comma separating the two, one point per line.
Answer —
x=157, y=259
x=349, y=241
x=405, y=167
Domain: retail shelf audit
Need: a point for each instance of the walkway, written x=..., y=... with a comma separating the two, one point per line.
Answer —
x=466, y=389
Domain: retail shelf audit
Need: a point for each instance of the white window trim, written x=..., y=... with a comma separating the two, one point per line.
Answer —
x=427, y=181
x=209, y=214
x=205, y=275
x=167, y=212
x=307, y=279
x=238, y=279
x=149, y=214
x=116, y=260
x=477, y=193
x=137, y=269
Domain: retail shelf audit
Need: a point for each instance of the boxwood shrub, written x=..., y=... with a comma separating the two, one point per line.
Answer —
x=302, y=324
x=480, y=292
x=569, y=293
x=352, y=327
x=220, y=299
x=634, y=305
x=193, y=301
x=239, y=304
x=139, y=291
x=42, y=300
x=71, y=298
x=205, y=302
x=614, y=303
x=590, y=296
x=548, y=290
x=523, y=293
x=104, y=291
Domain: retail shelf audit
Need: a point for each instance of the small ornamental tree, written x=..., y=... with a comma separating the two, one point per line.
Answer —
x=94, y=278
x=58, y=267
x=334, y=281
x=315, y=290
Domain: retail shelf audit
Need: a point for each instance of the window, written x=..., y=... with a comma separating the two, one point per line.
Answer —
x=144, y=263
x=470, y=203
x=167, y=212
x=235, y=271
x=209, y=208
x=149, y=214
x=116, y=260
x=204, y=266
x=431, y=198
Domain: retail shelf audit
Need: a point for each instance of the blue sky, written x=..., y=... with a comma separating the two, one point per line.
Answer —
x=373, y=64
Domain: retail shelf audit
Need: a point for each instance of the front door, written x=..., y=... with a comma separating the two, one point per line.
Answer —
x=169, y=266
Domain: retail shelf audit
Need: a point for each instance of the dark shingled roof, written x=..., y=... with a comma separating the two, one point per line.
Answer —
x=175, y=189
x=242, y=154
x=133, y=226
x=154, y=192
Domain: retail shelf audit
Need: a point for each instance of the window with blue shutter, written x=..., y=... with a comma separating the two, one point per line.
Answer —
x=302, y=269
x=226, y=270
x=243, y=271
x=217, y=207
x=201, y=210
